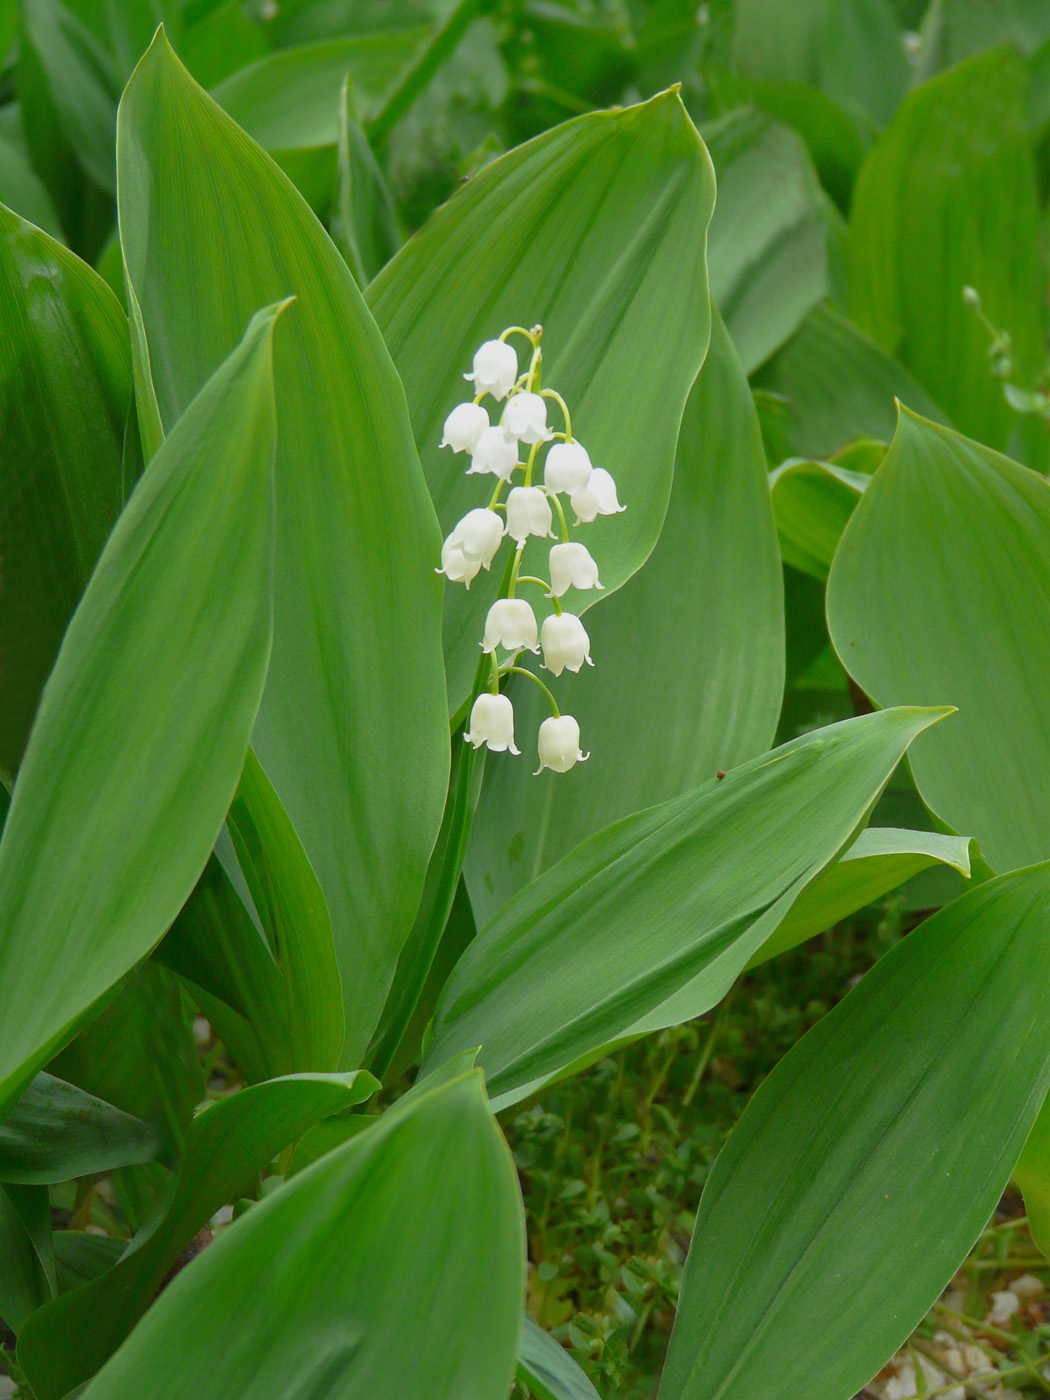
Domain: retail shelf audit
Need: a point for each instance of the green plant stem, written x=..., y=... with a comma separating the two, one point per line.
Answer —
x=521, y=671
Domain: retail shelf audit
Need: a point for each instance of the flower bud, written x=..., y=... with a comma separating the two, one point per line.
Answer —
x=494, y=452
x=495, y=369
x=571, y=566
x=528, y=513
x=566, y=645
x=463, y=426
x=597, y=497
x=492, y=723
x=559, y=744
x=525, y=419
x=478, y=535
x=567, y=468
x=511, y=624
x=456, y=566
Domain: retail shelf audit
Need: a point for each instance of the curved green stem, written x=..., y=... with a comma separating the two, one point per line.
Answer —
x=494, y=680
x=553, y=394
x=521, y=671
x=532, y=336
x=552, y=497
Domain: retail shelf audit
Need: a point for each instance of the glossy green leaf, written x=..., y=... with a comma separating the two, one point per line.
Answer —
x=596, y=230
x=548, y=1370
x=705, y=613
x=228, y=1144
x=869, y=1161
x=648, y=923
x=880, y=860
x=143, y=727
x=56, y=1132
x=356, y=602
x=65, y=384
x=362, y=1273
x=830, y=385
x=27, y=1267
x=938, y=596
x=767, y=254
x=850, y=49
x=948, y=199
x=812, y=501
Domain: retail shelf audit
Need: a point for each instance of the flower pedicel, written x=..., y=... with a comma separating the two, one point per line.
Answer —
x=530, y=510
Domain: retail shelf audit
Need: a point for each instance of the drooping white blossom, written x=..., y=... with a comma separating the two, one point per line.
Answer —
x=525, y=419
x=477, y=536
x=567, y=468
x=566, y=645
x=463, y=426
x=494, y=453
x=571, y=566
x=528, y=513
x=492, y=723
x=559, y=744
x=456, y=566
x=597, y=497
x=511, y=624
x=495, y=369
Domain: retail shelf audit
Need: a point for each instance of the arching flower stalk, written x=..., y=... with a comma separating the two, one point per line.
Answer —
x=529, y=510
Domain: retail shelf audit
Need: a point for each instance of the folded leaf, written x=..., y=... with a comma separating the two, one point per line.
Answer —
x=372, y=1247
x=210, y=229
x=228, y=1144
x=27, y=1264
x=649, y=923
x=916, y=619
x=879, y=860
x=142, y=731
x=596, y=230
x=811, y=503
x=548, y=1370
x=868, y=1162
x=56, y=1132
x=65, y=385
x=948, y=199
x=710, y=597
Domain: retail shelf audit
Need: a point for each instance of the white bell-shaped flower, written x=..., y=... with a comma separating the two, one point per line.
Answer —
x=456, y=566
x=525, y=419
x=559, y=744
x=528, y=513
x=492, y=723
x=494, y=452
x=571, y=566
x=566, y=645
x=495, y=369
x=463, y=426
x=567, y=468
x=596, y=497
x=478, y=535
x=511, y=624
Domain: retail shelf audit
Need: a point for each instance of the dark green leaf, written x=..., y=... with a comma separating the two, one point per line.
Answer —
x=56, y=1132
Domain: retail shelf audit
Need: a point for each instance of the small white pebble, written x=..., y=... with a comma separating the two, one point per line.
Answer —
x=222, y=1216
x=902, y=1385
x=201, y=1032
x=975, y=1360
x=1027, y=1286
x=1004, y=1306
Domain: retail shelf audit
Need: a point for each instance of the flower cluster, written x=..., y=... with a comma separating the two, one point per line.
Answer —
x=495, y=450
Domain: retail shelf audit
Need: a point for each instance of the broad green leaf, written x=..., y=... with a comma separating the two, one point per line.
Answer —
x=880, y=860
x=648, y=923
x=80, y=1257
x=767, y=255
x=228, y=1144
x=27, y=1265
x=364, y=221
x=548, y=1370
x=812, y=502
x=24, y=193
x=65, y=384
x=948, y=199
x=596, y=230
x=421, y=73
x=830, y=385
x=361, y=1277
x=142, y=731
x=356, y=600
x=56, y=1132
x=937, y=596
x=954, y=29
x=850, y=49
x=869, y=1161
x=721, y=660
